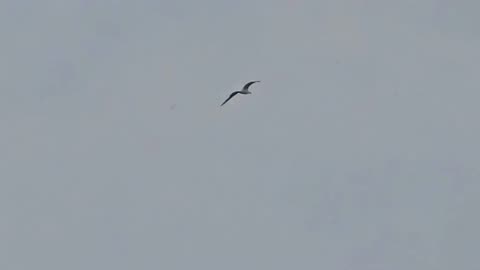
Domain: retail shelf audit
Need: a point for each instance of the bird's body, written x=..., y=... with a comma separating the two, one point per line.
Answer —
x=244, y=91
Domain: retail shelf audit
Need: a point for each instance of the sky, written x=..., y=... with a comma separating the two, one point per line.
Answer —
x=358, y=149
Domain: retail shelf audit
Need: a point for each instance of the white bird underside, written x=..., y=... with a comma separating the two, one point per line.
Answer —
x=244, y=91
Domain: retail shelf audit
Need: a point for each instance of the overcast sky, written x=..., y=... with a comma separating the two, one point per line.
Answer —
x=358, y=150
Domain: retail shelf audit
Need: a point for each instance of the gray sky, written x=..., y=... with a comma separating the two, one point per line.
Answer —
x=358, y=150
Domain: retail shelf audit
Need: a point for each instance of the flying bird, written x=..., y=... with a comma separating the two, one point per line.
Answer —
x=244, y=91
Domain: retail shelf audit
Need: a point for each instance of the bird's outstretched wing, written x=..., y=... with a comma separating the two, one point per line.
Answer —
x=248, y=85
x=231, y=96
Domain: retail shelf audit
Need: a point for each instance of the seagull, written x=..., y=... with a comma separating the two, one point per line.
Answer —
x=244, y=91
